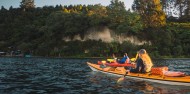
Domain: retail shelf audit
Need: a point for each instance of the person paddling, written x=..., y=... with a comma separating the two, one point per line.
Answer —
x=144, y=63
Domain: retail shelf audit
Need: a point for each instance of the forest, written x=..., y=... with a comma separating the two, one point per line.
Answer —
x=39, y=31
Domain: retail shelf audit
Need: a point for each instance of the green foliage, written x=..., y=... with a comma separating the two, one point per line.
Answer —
x=132, y=24
x=116, y=11
x=64, y=24
x=178, y=25
x=151, y=12
x=178, y=50
x=128, y=47
x=42, y=30
x=121, y=20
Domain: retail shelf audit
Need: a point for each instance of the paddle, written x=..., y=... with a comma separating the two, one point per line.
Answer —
x=123, y=77
x=134, y=59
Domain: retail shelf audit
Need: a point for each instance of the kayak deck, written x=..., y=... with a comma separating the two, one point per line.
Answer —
x=145, y=76
x=116, y=64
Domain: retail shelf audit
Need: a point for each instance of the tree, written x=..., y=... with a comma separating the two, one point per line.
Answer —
x=25, y=4
x=132, y=23
x=187, y=10
x=98, y=10
x=151, y=12
x=167, y=6
x=183, y=7
x=98, y=15
x=116, y=11
x=178, y=50
x=3, y=8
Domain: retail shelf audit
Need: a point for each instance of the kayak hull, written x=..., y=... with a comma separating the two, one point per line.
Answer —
x=183, y=81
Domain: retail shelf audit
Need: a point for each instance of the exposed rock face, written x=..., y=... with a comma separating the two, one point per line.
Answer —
x=103, y=34
x=106, y=35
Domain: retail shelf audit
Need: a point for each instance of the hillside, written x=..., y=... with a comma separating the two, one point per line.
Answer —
x=90, y=31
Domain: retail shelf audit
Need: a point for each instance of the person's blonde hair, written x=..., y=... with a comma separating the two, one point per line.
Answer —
x=146, y=60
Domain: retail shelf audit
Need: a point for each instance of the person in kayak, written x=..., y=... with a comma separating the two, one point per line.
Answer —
x=114, y=57
x=125, y=59
x=144, y=63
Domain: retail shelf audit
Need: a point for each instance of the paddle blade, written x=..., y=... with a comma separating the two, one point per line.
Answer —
x=120, y=79
x=133, y=59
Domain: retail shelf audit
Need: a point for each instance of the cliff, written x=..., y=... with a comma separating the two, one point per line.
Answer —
x=106, y=35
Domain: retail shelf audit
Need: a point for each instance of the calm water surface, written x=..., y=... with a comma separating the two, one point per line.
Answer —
x=73, y=76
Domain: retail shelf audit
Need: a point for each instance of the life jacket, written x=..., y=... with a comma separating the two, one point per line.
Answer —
x=147, y=67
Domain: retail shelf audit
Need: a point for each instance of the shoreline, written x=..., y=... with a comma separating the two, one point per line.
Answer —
x=73, y=57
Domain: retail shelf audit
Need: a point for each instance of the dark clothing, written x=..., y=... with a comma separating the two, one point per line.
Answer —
x=122, y=61
x=139, y=67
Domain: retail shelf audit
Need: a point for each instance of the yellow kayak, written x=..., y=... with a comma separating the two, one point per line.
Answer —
x=185, y=81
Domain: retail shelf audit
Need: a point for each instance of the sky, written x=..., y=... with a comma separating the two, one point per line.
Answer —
x=41, y=3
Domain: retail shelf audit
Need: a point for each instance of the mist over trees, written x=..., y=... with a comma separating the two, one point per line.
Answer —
x=40, y=30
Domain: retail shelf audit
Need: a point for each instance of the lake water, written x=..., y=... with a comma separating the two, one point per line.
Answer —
x=73, y=76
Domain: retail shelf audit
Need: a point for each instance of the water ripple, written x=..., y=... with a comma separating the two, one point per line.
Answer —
x=73, y=76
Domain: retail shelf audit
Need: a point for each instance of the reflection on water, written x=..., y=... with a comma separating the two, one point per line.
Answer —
x=108, y=84
x=73, y=76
